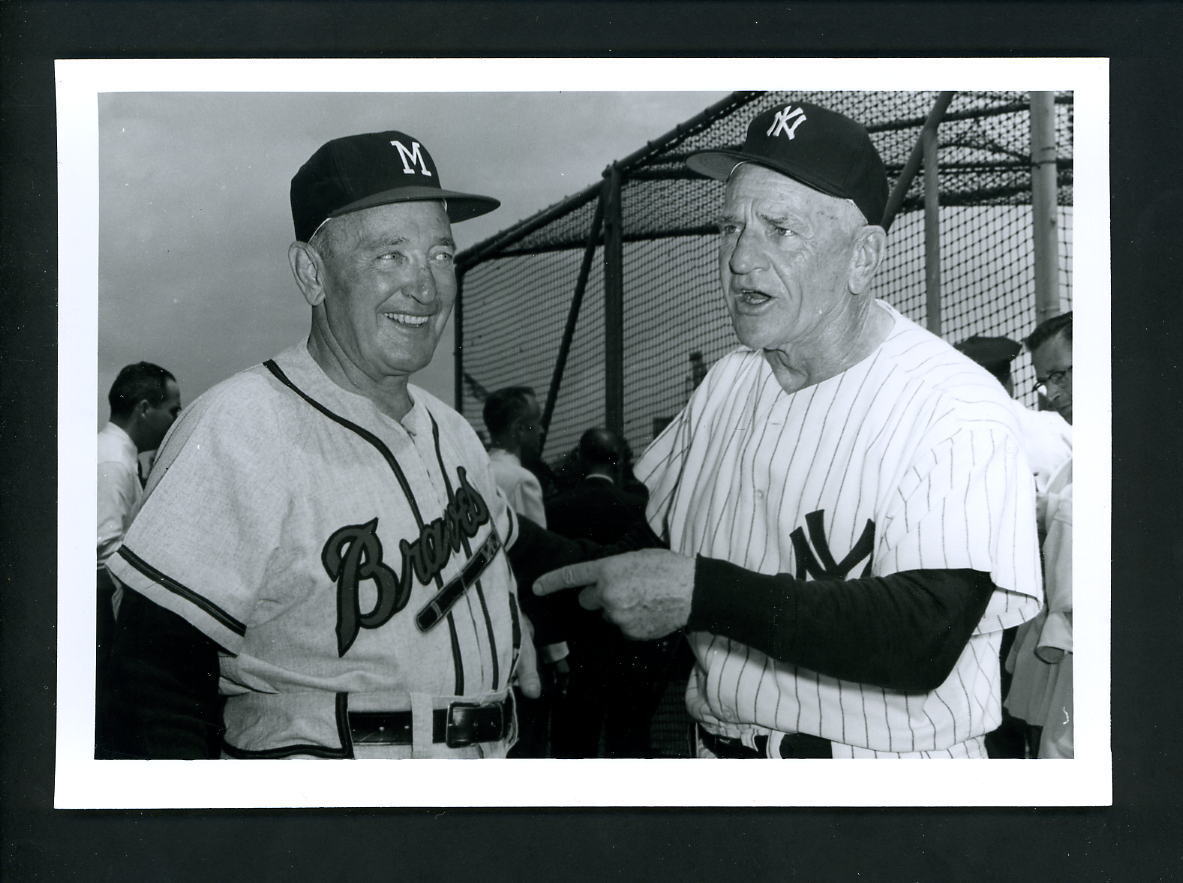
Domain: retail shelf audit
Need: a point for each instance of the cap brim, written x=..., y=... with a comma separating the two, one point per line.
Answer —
x=719, y=164
x=460, y=206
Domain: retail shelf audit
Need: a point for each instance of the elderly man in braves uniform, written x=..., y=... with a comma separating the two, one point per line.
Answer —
x=322, y=540
x=849, y=511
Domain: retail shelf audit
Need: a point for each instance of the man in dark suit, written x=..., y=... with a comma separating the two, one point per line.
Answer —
x=616, y=683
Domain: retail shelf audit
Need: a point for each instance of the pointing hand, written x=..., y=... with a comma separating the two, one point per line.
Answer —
x=647, y=594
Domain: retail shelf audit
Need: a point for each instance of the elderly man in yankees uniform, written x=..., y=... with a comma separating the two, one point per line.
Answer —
x=849, y=512
x=322, y=548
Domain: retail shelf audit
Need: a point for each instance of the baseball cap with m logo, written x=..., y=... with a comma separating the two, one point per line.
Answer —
x=362, y=171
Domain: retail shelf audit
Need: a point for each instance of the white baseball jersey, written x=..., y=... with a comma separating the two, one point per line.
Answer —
x=343, y=560
x=907, y=460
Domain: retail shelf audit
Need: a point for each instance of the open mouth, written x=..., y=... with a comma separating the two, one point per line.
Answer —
x=407, y=319
x=751, y=296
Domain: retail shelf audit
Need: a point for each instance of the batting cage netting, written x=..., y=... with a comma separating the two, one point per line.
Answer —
x=524, y=319
x=609, y=303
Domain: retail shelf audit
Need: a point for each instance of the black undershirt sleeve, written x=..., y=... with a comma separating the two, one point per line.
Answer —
x=162, y=700
x=900, y=632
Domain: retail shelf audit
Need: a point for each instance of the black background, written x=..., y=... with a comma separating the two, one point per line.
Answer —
x=1138, y=838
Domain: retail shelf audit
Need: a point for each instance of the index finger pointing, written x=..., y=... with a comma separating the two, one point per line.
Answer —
x=582, y=574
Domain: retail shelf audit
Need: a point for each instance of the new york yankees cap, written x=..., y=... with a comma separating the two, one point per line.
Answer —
x=818, y=147
x=362, y=171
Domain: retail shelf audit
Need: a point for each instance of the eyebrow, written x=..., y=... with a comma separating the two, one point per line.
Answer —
x=387, y=241
x=1063, y=370
x=782, y=218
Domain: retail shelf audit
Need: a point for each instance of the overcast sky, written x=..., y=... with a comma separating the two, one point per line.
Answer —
x=195, y=221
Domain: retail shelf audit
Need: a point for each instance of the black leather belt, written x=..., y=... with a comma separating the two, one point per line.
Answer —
x=458, y=725
x=792, y=745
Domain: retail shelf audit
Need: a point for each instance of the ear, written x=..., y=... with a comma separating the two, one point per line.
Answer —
x=870, y=242
x=308, y=268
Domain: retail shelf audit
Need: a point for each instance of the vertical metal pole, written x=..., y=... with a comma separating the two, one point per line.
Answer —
x=458, y=343
x=613, y=305
x=1044, y=216
x=912, y=166
x=556, y=378
x=932, y=230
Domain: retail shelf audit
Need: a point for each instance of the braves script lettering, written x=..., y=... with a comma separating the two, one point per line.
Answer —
x=353, y=555
x=822, y=565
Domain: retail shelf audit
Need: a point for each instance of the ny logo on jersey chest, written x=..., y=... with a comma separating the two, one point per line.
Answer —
x=814, y=558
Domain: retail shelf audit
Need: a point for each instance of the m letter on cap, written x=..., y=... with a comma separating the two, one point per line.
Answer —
x=781, y=122
x=411, y=158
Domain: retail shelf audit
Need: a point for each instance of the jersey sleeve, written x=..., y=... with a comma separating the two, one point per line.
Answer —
x=968, y=502
x=212, y=519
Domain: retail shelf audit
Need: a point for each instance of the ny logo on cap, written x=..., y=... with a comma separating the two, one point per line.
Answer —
x=781, y=122
x=411, y=158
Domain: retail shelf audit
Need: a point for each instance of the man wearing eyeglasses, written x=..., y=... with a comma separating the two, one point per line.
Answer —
x=1051, y=353
x=1046, y=436
x=1041, y=691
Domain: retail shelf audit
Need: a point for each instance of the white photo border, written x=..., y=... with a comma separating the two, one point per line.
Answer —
x=82, y=782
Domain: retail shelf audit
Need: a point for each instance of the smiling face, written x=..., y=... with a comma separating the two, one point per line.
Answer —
x=384, y=288
x=787, y=259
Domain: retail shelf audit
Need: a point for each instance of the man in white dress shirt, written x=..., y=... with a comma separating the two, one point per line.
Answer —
x=145, y=400
x=514, y=421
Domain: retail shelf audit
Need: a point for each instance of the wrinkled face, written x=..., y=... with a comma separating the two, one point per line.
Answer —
x=1053, y=369
x=389, y=285
x=158, y=418
x=785, y=254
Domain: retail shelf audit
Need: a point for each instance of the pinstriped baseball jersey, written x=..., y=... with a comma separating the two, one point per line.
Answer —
x=907, y=460
x=342, y=559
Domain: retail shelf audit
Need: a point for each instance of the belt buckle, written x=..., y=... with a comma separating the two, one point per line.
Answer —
x=458, y=718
